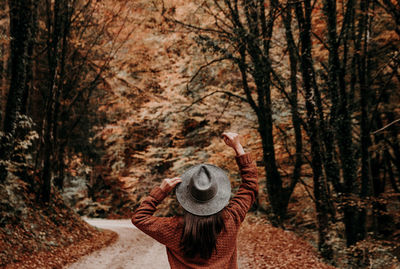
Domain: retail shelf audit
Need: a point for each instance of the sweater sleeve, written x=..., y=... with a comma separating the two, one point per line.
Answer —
x=248, y=189
x=161, y=229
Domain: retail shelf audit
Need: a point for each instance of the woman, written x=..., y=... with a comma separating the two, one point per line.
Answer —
x=205, y=237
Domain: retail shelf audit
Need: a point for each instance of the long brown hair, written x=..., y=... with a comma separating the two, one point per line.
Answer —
x=199, y=236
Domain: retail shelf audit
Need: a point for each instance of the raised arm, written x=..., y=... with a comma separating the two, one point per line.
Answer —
x=157, y=227
x=248, y=189
x=233, y=140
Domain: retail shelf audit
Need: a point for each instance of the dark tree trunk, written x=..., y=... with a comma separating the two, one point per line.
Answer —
x=311, y=92
x=293, y=100
x=59, y=137
x=359, y=230
x=395, y=185
x=59, y=182
x=21, y=33
x=54, y=34
x=336, y=81
x=259, y=26
x=341, y=122
x=274, y=182
x=30, y=60
x=3, y=59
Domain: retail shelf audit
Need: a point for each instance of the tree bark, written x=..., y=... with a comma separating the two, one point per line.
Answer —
x=21, y=34
x=311, y=92
x=54, y=34
x=259, y=27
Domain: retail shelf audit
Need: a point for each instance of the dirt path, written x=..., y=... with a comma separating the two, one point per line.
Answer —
x=260, y=246
x=132, y=250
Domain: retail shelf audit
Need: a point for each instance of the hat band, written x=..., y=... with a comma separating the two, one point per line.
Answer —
x=203, y=195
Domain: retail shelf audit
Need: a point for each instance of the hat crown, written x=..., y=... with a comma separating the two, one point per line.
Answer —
x=205, y=190
x=202, y=186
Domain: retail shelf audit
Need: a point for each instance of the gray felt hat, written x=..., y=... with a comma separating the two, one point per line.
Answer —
x=205, y=190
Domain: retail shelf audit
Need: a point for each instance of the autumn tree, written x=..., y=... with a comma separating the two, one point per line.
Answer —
x=337, y=90
x=60, y=55
x=336, y=77
x=76, y=67
x=242, y=34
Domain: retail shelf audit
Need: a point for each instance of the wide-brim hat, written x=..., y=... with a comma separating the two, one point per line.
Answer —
x=205, y=190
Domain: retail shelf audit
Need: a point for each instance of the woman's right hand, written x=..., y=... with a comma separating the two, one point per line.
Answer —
x=233, y=141
x=168, y=184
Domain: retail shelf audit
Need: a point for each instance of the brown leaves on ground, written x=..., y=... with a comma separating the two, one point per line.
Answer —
x=261, y=245
x=61, y=256
x=42, y=235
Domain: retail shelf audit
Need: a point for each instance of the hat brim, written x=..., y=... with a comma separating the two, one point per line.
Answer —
x=212, y=206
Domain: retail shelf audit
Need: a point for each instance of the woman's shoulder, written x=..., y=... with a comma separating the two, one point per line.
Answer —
x=230, y=220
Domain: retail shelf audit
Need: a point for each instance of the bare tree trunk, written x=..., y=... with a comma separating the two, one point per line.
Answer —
x=293, y=61
x=54, y=32
x=59, y=137
x=311, y=92
x=2, y=78
x=3, y=57
x=340, y=119
x=30, y=60
x=357, y=233
x=21, y=36
x=259, y=27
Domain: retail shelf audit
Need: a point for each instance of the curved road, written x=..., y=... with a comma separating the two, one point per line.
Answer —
x=133, y=249
x=262, y=247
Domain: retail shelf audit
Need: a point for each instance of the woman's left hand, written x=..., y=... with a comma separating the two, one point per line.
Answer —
x=168, y=184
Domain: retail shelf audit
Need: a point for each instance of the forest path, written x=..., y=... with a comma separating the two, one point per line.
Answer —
x=133, y=249
x=259, y=246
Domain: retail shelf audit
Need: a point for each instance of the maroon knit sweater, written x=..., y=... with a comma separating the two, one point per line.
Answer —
x=168, y=230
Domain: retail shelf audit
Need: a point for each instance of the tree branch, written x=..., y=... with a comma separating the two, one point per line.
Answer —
x=205, y=66
x=212, y=93
x=385, y=127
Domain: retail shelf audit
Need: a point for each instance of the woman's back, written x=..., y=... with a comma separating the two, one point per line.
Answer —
x=169, y=231
x=224, y=256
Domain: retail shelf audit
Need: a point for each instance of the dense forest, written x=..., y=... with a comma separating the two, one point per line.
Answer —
x=100, y=100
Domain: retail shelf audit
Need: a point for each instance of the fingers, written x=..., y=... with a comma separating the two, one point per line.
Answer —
x=226, y=140
x=168, y=184
x=230, y=138
x=175, y=181
x=229, y=135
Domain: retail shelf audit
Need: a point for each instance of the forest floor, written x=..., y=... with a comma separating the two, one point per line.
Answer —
x=60, y=256
x=259, y=246
x=42, y=235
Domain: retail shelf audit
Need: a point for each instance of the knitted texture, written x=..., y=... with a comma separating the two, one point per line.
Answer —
x=168, y=230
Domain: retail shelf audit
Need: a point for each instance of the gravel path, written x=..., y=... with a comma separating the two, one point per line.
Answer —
x=133, y=249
